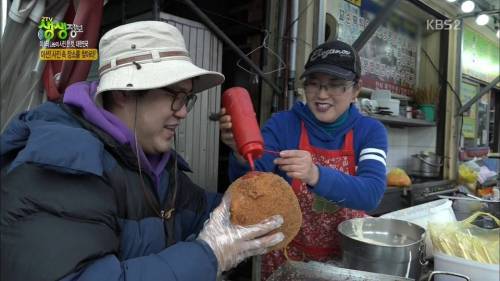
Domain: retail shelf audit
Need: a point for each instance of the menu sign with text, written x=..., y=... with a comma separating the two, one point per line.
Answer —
x=389, y=58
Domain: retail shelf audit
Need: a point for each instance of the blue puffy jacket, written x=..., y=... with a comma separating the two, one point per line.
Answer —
x=75, y=208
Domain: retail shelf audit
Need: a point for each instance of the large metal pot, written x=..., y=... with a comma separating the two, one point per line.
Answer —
x=388, y=246
x=425, y=165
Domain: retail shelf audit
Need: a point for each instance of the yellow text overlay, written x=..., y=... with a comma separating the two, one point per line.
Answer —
x=68, y=54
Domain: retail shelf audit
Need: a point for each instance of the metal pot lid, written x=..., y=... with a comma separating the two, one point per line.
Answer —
x=427, y=154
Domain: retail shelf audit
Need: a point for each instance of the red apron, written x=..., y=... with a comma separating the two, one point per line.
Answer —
x=318, y=238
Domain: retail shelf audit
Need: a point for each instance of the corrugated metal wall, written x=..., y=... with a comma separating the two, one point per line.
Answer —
x=197, y=136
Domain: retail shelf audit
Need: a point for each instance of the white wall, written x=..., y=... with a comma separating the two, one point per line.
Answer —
x=404, y=142
x=198, y=137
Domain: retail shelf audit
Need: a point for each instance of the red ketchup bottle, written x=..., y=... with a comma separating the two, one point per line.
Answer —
x=245, y=129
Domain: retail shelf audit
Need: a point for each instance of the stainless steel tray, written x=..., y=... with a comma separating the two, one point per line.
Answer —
x=315, y=271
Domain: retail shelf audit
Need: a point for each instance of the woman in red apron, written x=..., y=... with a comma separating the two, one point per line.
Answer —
x=333, y=157
x=318, y=238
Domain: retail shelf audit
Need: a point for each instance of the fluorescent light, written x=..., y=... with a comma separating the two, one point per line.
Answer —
x=482, y=19
x=451, y=1
x=498, y=33
x=468, y=6
x=4, y=17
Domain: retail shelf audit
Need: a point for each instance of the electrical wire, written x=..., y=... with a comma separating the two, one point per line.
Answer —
x=298, y=40
x=225, y=17
x=268, y=33
x=233, y=20
x=301, y=13
x=441, y=76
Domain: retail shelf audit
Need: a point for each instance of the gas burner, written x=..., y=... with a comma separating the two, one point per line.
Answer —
x=422, y=190
x=419, y=179
x=426, y=191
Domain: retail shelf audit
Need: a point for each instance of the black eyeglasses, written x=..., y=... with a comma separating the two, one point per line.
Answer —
x=181, y=98
x=335, y=88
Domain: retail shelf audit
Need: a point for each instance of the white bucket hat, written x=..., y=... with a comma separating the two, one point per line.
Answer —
x=148, y=55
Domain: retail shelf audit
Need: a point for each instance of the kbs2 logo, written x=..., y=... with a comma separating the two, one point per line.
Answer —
x=437, y=24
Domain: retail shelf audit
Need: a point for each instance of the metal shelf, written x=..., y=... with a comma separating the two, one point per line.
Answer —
x=366, y=92
x=401, y=121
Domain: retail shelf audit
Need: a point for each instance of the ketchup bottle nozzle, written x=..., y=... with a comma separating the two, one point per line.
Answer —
x=250, y=160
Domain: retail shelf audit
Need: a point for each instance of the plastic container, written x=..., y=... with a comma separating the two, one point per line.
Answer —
x=429, y=111
x=245, y=129
x=472, y=269
x=409, y=112
x=381, y=95
x=439, y=211
x=391, y=104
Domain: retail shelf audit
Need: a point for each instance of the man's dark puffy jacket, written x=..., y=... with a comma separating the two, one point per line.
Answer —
x=75, y=208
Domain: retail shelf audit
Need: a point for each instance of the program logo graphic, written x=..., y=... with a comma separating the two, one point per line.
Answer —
x=57, y=41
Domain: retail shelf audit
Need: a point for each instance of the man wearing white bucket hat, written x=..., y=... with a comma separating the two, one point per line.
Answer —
x=98, y=193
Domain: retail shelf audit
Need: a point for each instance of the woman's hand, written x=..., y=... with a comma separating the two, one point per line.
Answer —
x=226, y=134
x=298, y=164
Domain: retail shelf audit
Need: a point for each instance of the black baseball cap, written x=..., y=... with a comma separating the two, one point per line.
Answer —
x=334, y=58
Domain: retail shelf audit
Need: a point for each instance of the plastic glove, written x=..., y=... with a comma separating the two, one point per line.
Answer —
x=232, y=244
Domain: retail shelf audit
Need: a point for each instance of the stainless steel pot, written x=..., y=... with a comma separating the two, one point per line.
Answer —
x=387, y=246
x=425, y=165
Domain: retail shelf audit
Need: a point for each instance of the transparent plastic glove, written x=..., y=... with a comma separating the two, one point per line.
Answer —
x=233, y=243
